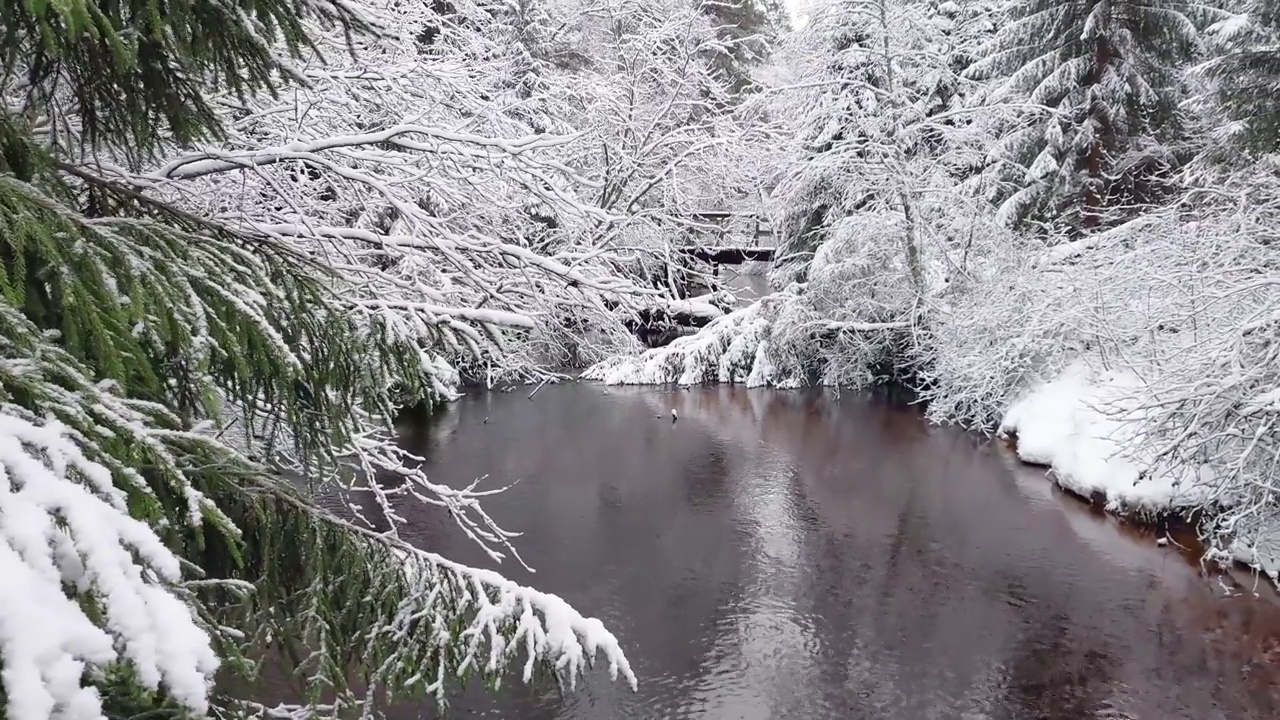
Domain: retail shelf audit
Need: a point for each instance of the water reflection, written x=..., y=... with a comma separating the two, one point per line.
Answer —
x=785, y=555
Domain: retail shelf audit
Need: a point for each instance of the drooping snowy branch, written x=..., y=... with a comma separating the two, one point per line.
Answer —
x=67, y=526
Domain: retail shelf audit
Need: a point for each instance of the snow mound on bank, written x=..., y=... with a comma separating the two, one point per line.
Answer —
x=1085, y=426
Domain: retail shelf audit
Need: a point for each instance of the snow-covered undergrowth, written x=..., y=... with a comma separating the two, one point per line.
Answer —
x=833, y=330
x=732, y=348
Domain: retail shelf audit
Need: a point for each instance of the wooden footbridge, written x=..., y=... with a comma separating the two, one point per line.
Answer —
x=713, y=244
x=716, y=238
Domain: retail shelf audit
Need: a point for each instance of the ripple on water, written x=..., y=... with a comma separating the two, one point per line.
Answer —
x=783, y=555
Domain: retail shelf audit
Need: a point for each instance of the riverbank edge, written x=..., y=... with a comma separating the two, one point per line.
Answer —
x=1084, y=425
x=1172, y=521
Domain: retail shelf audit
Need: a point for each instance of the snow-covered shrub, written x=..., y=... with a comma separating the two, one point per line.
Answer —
x=860, y=273
x=777, y=341
x=1209, y=347
x=858, y=302
x=1010, y=319
x=738, y=347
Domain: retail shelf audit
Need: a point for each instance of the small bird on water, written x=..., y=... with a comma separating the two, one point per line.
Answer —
x=674, y=417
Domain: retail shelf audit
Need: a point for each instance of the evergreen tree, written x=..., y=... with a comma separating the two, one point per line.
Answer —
x=1099, y=81
x=1244, y=78
x=747, y=30
x=141, y=549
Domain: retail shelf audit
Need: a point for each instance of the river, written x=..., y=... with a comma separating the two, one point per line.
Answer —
x=795, y=555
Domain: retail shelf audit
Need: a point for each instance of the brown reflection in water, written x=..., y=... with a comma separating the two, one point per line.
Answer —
x=787, y=555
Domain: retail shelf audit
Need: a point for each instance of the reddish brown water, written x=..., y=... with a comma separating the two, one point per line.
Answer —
x=791, y=555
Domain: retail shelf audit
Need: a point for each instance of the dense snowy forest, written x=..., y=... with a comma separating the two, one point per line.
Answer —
x=238, y=237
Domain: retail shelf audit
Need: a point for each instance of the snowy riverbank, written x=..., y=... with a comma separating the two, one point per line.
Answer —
x=1085, y=426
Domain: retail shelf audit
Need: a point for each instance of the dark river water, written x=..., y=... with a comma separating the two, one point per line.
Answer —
x=794, y=555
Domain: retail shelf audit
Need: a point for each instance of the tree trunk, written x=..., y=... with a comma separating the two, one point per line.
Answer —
x=1095, y=161
x=912, y=247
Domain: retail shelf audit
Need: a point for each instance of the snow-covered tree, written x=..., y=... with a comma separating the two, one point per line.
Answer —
x=445, y=185
x=1099, y=82
x=880, y=117
x=872, y=214
x=1244, y=78
x=225, y=262
x=747, y=31
x=873, y=206
x=663, y=132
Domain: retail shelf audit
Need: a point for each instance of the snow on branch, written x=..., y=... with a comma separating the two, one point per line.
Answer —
x=67, y=542
x=423, y=622
x=212, y=161
x=444, y=185
x=509, y=619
